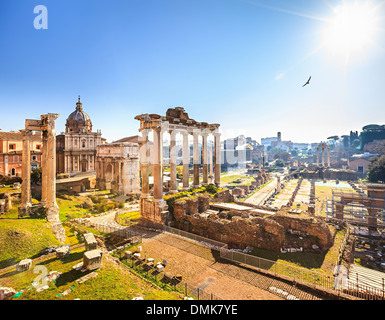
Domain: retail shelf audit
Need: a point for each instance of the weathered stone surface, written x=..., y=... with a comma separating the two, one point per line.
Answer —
x=24, y=265
x=62, y=251
x=90, y=241
x=223, y=196
x=6, y=293
x=310, y=225
x=239, y=229
x=87, y=277
x=92, y=259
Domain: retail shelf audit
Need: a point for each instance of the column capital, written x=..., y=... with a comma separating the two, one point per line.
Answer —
x=26, y=133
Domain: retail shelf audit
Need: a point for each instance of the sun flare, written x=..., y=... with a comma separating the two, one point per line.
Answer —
x=352, y=28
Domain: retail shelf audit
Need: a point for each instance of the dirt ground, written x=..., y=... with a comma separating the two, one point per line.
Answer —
x=200, y=268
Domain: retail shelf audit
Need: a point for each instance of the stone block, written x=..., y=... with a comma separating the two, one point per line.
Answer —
x=90, y=241
x=92, y=259
x=6, y=293
x=62, y=251
x=24, y=265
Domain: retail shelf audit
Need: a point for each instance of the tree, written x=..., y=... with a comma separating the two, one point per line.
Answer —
x=376, y=169
x=36, y=175
x=280, y=163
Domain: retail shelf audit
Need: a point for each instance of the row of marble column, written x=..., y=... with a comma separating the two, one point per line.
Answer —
x=157, y=160
x=48, y=164
x=323, y=156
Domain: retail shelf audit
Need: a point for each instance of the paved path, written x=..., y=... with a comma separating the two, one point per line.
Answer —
x=260, y=196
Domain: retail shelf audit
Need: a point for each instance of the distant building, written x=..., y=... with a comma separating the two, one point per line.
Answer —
x=11, y=145
x=76, y=147
x=266, y=142
x=360, y=162
x=370, y=133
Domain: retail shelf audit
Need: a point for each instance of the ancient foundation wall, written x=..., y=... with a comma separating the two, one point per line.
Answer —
x=240, y=230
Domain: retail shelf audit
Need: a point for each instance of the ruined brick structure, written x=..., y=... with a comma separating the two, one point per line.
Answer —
x=242, y=229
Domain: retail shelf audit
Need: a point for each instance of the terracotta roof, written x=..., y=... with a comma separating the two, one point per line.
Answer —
x=17, y=136
x=136, y=139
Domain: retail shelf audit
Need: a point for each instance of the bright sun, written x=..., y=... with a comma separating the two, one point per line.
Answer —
x=352, y=29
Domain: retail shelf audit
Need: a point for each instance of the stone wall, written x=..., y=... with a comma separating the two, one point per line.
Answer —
x=223, y=196
x=237, y=232
x=240, y=230
x=308, y=227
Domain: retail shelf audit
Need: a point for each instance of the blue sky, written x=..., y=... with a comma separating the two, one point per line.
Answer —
x=240, y=63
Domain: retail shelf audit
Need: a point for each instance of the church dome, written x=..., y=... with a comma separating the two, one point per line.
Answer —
x=78, y=121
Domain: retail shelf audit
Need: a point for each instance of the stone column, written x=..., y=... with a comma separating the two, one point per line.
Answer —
x=144, y=164
x=210, y=158
x=217, y=148
x=323, y=157
x=328, y=157
x=51, y=207
x=186, y=160
x=196, y=159
x=173, y=156
x=157, y=161
x=44, y=172
x=205, y=159
x=317, y=154
x=26, y=174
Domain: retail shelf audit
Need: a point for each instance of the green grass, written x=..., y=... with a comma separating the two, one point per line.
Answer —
x=9, y=189
x=71, y=208
x=317, y=262
x=112, y=282
x=129, y=217
x=230, y=178
x=23, y=238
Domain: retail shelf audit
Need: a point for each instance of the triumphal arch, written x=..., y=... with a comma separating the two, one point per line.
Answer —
x=175, y=122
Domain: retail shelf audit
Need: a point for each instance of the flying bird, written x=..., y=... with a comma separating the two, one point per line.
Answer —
x=307, y=82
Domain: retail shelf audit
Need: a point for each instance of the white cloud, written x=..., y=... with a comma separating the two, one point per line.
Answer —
x=279, y=76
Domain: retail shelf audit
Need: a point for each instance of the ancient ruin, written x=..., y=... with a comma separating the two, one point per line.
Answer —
x=247, y=227
x=175, y=122
x=118, y=168
x=46, y=125
x=323, y=147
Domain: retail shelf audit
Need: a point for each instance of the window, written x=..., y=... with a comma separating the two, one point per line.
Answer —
x=38, y=146
x=12, y=147
x=34, y=158
x=360, y=169
x=83, y=144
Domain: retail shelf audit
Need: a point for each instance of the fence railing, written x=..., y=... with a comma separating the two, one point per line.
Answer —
x=364, y=291
x=277, y=268
x=151, y=273
x=293, y=273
